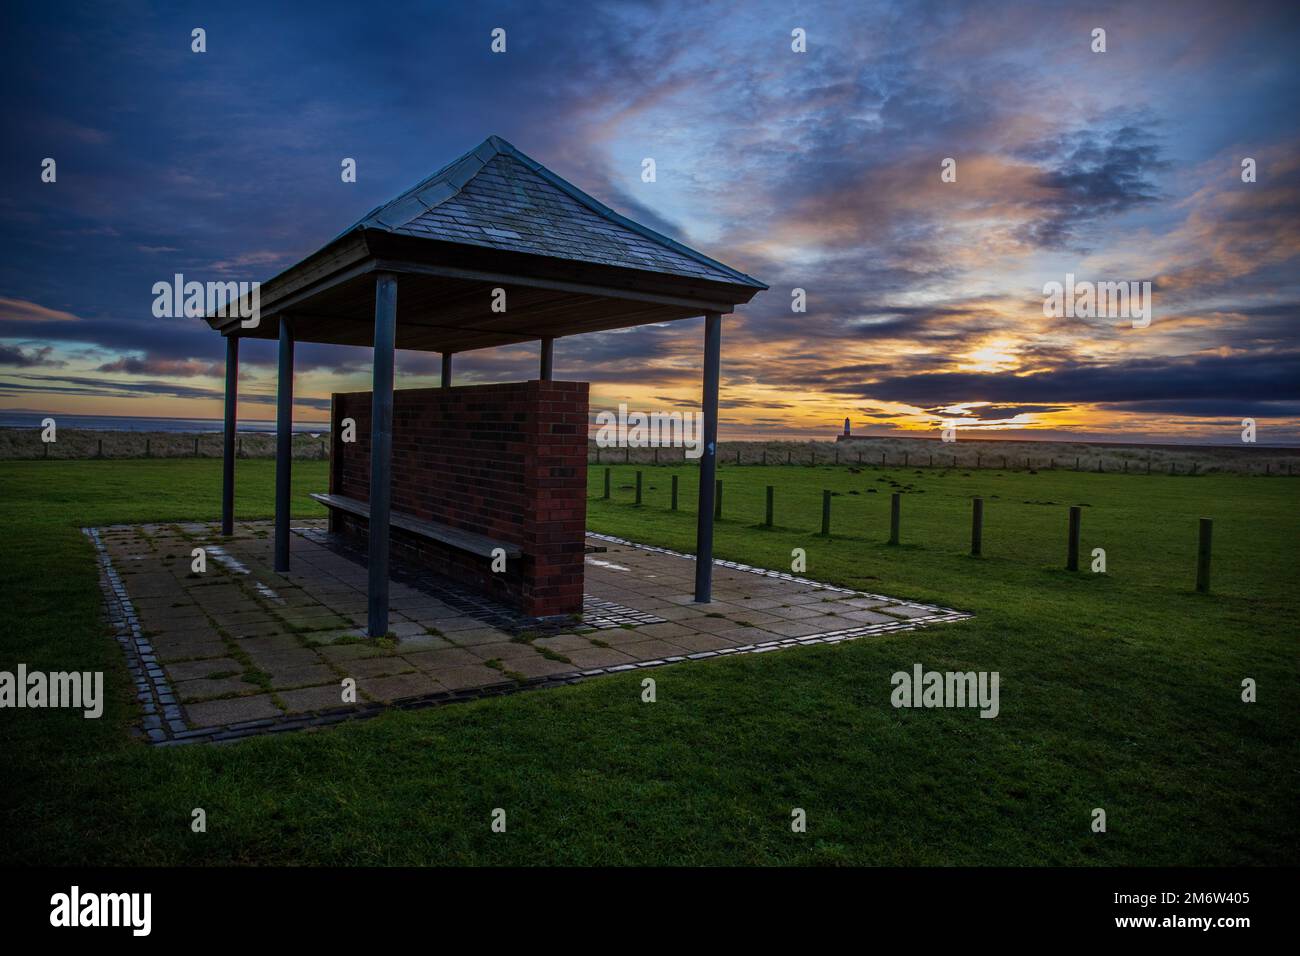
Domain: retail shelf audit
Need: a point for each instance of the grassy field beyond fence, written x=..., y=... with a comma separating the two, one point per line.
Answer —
x=1119, y=691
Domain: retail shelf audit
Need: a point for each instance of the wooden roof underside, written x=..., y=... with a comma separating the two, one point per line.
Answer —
x=445, y=296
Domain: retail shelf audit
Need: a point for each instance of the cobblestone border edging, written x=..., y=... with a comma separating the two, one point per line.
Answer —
x=162, y=712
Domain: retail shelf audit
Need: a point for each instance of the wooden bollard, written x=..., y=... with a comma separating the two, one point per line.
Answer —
x=737, y=456
x=895, y=506
x=638, y=488
x=674, y=507
x=977, y=527
x=826, y=512
x=882, y=459
x=717, y=499
x=977, y=461
x=789, y=456
x=148, y=452
x=905, y=457
x=196, y=446
x=239, y=448
x=764, y=456
x=606, y=482
x=1072, y=549
x=627, y=454
x=656, y=454
x=101, y=448
x=1076, y=464
x=932, y=461
x=837, y=456
x=771, y=491
x=1203, y=556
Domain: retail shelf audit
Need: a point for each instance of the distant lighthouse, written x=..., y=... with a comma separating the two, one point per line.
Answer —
x=846, y=428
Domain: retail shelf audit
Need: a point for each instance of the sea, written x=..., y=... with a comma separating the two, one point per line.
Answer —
x=130, y=423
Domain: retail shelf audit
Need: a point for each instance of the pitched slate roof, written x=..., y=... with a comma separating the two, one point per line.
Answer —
x=495, y=196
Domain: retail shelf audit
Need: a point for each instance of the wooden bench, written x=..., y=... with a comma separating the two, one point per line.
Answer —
x=462, y=540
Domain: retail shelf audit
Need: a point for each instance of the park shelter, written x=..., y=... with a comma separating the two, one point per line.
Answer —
x=419, y=273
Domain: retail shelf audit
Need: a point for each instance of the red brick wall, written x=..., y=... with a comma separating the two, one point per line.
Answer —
x=507, y=461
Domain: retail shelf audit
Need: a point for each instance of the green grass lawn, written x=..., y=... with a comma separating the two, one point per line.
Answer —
x=1119, y=691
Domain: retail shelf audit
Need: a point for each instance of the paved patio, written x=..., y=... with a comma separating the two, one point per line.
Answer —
x=240, y=650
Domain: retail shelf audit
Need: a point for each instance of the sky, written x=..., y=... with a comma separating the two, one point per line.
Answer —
x=820, y=170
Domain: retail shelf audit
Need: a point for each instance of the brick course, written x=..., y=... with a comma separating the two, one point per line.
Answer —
x=508, y=461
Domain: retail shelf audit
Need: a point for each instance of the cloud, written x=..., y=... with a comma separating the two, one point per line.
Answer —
x=14, y=355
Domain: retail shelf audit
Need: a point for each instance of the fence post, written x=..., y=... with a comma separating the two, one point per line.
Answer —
x=882, y=459
x=101, y=448
x=906, y=455
x=770, y=492
x=764, y=456
x=638, y=488
x=789, y=456
x=1072, y=552
x=148, y=450
x=674, y=508
x=837, y=456
x=895, y=503
x=826, y=512
x=196, y=446
x=606, y=482
x=656, y=454
x=977, y=528
x=1203, y=556
x=717, y=499
x=737, y=456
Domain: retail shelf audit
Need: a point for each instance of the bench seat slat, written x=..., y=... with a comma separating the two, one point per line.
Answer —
x=457, y=538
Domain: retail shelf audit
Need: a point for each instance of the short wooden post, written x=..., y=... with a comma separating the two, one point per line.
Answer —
x=638, y=488
x=882, y=459
x=1203, y=556
x=977, y=460
x=196, y=446
x=789, y=456
x=770, y=492
x=906, y=455
x=101, y=448
x=598, y=454
x=826, y=512
x=895, y=506
x=656, y=454
x=717, y=499
x=674, y=508
x=1072, y=551
x=837, y=456
x=764, y=456
x=977, y=528
x=606, y=482
x=737, y=456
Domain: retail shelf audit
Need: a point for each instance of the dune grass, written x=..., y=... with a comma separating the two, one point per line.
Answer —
x=1120, y=691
